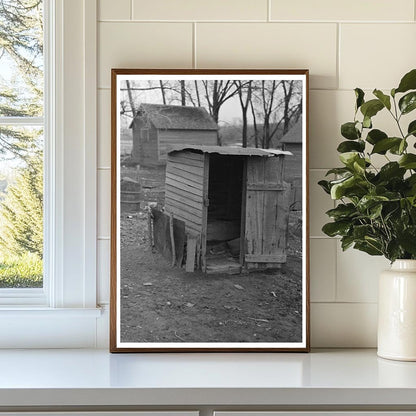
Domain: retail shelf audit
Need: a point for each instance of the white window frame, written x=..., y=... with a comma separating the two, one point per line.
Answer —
x=64, y=313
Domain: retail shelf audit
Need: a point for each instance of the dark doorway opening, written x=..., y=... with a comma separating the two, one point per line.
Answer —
x=225, y=193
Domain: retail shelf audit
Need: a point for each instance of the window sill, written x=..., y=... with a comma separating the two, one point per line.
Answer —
x=40, y=327
x=330, y=379
x=35, y=312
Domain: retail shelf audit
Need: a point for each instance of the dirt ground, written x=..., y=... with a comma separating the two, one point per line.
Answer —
x=164, y=304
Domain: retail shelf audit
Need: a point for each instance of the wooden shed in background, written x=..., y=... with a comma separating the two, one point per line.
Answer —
x=234, y=201
x=292, y=142
x=156, y=127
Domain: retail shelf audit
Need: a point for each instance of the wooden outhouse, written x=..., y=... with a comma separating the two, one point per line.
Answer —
x=233, y=201
x=292, y=142
x=157, y=127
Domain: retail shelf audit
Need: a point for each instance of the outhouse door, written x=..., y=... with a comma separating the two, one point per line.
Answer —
x=266, y=213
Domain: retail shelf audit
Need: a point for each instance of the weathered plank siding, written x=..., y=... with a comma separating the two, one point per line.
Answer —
x=184, y=189
x=167, y=138
x=267, y=211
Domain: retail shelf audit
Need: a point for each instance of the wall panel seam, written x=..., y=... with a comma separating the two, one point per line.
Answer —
x=317, y=21
x=194, y=54
x=269, y=10
x=338, y=53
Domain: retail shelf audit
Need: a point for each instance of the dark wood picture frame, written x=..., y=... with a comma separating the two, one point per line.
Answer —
x=206, y=155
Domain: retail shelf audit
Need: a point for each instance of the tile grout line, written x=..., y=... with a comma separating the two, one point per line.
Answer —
x=338, y=63
x=269, y=10
x=131, y=9
x=194, y=63
x=307, y=22
x=336, y=271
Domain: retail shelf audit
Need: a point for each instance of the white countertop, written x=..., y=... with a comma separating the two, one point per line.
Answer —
x=96, y=377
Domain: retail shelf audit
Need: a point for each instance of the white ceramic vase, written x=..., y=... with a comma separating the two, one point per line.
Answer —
x=397, y=312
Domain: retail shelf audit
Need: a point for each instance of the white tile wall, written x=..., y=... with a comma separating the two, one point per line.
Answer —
x=200, y=10
x=345, y=44
x=114, y=10
x=323, y=269
x=368, y=50
x=142, y=45
x=338, y=325
x=341, y=10
x=270, y=45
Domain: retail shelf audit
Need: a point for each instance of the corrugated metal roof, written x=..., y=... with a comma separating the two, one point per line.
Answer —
x=230, y=150
x=177, y=117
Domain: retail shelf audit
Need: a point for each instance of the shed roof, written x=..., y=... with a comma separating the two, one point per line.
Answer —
x=230, y=150
x=294, y=135
x=178, y=117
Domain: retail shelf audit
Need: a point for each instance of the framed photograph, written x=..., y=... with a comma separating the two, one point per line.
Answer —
x=209, y=211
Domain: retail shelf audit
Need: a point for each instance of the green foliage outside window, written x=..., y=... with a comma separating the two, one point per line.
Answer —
x=21, y=147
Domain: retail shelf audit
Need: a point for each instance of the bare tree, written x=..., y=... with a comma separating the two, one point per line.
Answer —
x=183, y=93
x=198, y=99
x=217, y=92
x=244, y=94
x=162, y=90
x=277, y=105
x=132, y=106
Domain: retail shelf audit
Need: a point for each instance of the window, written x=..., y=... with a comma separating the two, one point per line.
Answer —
x=63, y=313
x=21, y=143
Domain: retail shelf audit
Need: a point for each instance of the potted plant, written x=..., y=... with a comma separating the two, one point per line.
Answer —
x=376, y=207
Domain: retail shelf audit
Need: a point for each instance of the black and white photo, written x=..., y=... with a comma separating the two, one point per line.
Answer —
x=209, y=244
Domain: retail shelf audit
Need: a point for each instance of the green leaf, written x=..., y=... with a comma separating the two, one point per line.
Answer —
x=408, y=102
x=408, y=161
x=346, y=242
x=367, y=122
x=342, y=211
x=371, y=108
x=408, y=82
x=383, y=145
x=385, y=99
x=391, y=170
x=393, y=250
x=340, y=188
x=369, y=201
x=400, y=148
x=348, y=158
x=338, y=171
x=368, y=248
x=375, y=136
x=349, y=131
x=407, y=240
x=411, y=130
x=349, y=146
x=336, y=228
x=359, y=95
x=375, y=211
x=325, y=186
